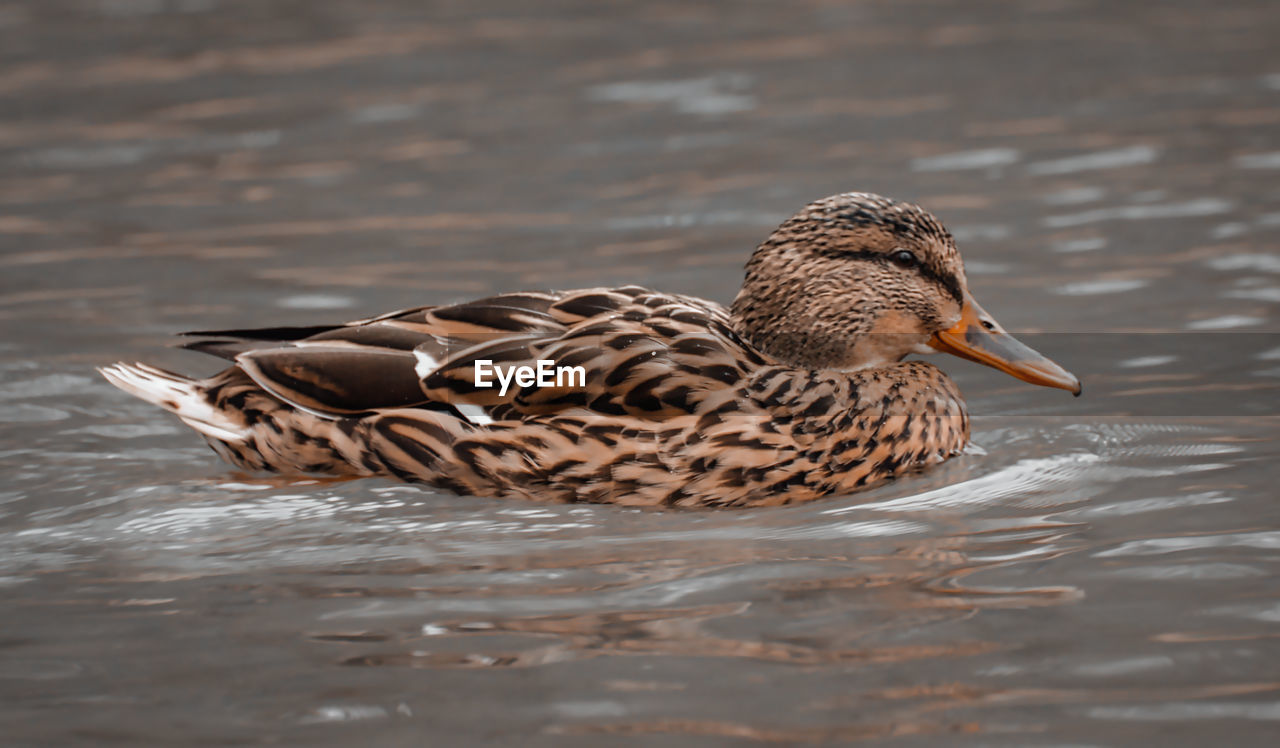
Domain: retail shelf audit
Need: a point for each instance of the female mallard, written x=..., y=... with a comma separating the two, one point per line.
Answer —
x=798, y=391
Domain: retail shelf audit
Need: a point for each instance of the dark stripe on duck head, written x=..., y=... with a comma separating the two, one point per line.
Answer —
x=948, y=282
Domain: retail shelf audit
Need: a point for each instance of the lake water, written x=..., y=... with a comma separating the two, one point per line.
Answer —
x=1095, y=572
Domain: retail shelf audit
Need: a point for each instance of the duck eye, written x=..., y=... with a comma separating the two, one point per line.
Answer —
x=904, y=258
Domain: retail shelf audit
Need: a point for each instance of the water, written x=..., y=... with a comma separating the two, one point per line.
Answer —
x=1099, y=571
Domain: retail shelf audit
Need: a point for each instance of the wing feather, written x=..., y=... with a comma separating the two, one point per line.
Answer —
x=337, y=380
x=643, y=354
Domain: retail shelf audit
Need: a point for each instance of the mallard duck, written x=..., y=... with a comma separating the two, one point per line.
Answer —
x=799, y=390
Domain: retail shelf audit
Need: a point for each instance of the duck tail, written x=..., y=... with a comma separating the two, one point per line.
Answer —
x=184, y=397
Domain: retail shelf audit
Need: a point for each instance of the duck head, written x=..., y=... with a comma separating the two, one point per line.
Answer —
x=857, y=280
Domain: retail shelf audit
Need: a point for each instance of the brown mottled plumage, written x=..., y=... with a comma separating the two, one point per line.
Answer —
x=799, y=392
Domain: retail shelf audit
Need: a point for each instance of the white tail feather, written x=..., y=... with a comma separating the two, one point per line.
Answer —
x=176, y=394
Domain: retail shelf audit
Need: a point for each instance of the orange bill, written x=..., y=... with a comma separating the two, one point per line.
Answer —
x=978, y=337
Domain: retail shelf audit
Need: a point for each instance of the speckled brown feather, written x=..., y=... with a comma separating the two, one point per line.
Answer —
x=797, y=393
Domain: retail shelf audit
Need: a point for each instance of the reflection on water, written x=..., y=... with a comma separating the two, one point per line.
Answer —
x=1040, y=578
x=1093, y=571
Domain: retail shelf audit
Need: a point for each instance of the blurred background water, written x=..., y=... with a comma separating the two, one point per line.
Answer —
x=1099, y=572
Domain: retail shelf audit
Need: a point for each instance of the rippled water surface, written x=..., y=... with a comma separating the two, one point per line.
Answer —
x=1095, y=572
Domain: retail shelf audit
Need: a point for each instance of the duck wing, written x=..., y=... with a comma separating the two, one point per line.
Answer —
x=641, y=353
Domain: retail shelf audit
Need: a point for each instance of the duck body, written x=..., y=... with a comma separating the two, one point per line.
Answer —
x=678, y=401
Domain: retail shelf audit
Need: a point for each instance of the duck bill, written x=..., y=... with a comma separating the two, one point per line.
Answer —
x=979, y=338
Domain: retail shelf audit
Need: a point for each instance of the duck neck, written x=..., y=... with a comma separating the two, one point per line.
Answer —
x=786, y=312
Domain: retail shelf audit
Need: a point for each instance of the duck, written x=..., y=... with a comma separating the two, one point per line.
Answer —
x=801, y=388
